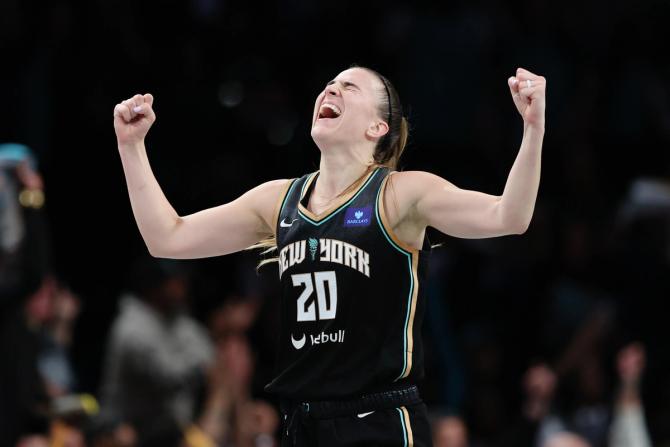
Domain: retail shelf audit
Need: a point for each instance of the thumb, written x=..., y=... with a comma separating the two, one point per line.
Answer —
x=513, y=84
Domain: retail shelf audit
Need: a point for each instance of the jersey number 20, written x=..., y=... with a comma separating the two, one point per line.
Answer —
x=326, y=302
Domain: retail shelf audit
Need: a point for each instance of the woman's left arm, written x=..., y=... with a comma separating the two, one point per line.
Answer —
x=471, y=214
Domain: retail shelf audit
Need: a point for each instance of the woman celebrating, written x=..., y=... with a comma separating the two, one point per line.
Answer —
x=351, y=250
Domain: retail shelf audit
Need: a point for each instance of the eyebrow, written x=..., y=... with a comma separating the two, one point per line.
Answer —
x=344, y=83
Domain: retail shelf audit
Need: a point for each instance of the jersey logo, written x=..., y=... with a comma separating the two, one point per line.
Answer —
x=358, y=217
x=313, y=245
x=286, y=224
x=362, y=415
x=298, y=344
x=319, y=339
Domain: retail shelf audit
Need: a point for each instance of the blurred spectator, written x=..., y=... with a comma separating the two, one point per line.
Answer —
x=54, y=361
x=539, y=384
x=66, y=435
x=449, y=431
x=584, y=317
x=35, y=370
x=235, y=316
x=157, y=355
x=537, y=421
x=640, y=253
x=231, y=416
x=566, y=439
x=543, y=425
x=23, y=241
x=103, y=431
x=34, y=441
x=23, y=396
x=628, y=427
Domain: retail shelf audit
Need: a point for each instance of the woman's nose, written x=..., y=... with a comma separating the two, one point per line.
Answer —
x=332, y=90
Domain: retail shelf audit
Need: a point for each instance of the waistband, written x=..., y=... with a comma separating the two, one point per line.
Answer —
x=408, y=395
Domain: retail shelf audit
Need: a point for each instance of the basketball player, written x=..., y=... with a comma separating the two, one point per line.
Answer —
x=351, y=251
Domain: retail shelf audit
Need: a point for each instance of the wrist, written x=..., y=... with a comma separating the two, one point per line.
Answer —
x=130, y=146
x=534, y=126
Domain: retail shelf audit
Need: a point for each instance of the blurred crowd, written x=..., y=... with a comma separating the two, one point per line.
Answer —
x=555, y=338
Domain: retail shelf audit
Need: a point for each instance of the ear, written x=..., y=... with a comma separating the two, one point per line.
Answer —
x=377, y=129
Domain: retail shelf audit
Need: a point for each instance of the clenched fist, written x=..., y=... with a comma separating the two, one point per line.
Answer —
x=133, y=118
x=528, y=92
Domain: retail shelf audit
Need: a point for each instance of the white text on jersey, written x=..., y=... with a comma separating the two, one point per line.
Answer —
x=330, y=250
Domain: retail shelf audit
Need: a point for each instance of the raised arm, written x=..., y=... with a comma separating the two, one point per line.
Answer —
x=433, y=201
x=215, y=231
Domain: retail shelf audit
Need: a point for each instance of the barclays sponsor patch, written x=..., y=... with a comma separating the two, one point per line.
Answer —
x=358, y=217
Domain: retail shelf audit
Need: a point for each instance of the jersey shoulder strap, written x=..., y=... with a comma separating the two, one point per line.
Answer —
x=288, y=198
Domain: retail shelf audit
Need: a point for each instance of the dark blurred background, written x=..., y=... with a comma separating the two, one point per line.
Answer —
x=235, y=84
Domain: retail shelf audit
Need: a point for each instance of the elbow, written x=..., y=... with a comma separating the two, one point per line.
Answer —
x=521, y=228
x=155, y=251
x=163, y=251
x=164, y=246
x=513, y=221
x=518, y=227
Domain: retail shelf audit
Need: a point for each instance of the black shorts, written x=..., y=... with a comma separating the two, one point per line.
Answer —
x=395, y=418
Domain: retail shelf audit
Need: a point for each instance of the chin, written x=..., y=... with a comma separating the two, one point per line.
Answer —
x=321, y=135
x=325, y=135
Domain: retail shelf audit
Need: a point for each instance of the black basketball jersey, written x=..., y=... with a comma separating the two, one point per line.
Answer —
x=352, y=295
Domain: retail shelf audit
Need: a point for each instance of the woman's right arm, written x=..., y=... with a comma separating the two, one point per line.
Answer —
x=215, y=231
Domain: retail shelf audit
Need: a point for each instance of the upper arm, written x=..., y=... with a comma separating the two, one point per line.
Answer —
x=226, y=228
x=437, y=203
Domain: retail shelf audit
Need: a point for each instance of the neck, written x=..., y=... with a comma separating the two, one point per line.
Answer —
x=339, y=169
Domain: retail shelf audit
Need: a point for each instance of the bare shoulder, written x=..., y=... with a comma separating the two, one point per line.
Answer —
x=408, y=190
x=411, y=186
x=272, y=187
x=416, y=179
x=403, y=191
x=266, y=198
x=268, y=193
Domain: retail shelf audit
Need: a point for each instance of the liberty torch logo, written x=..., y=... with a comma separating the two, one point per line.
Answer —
x=313, y=245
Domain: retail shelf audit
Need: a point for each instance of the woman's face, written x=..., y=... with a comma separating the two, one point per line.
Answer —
x=346, y=111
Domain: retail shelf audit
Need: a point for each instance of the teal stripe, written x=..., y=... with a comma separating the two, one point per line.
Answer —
x=313, y=222
x=404, y=429
x=411, y=281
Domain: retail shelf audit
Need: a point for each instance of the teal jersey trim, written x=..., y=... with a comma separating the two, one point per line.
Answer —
x=348, y=202
x=411, y=283
x=404, y=429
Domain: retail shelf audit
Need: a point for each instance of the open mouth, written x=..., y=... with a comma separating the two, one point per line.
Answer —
x=329, y=111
